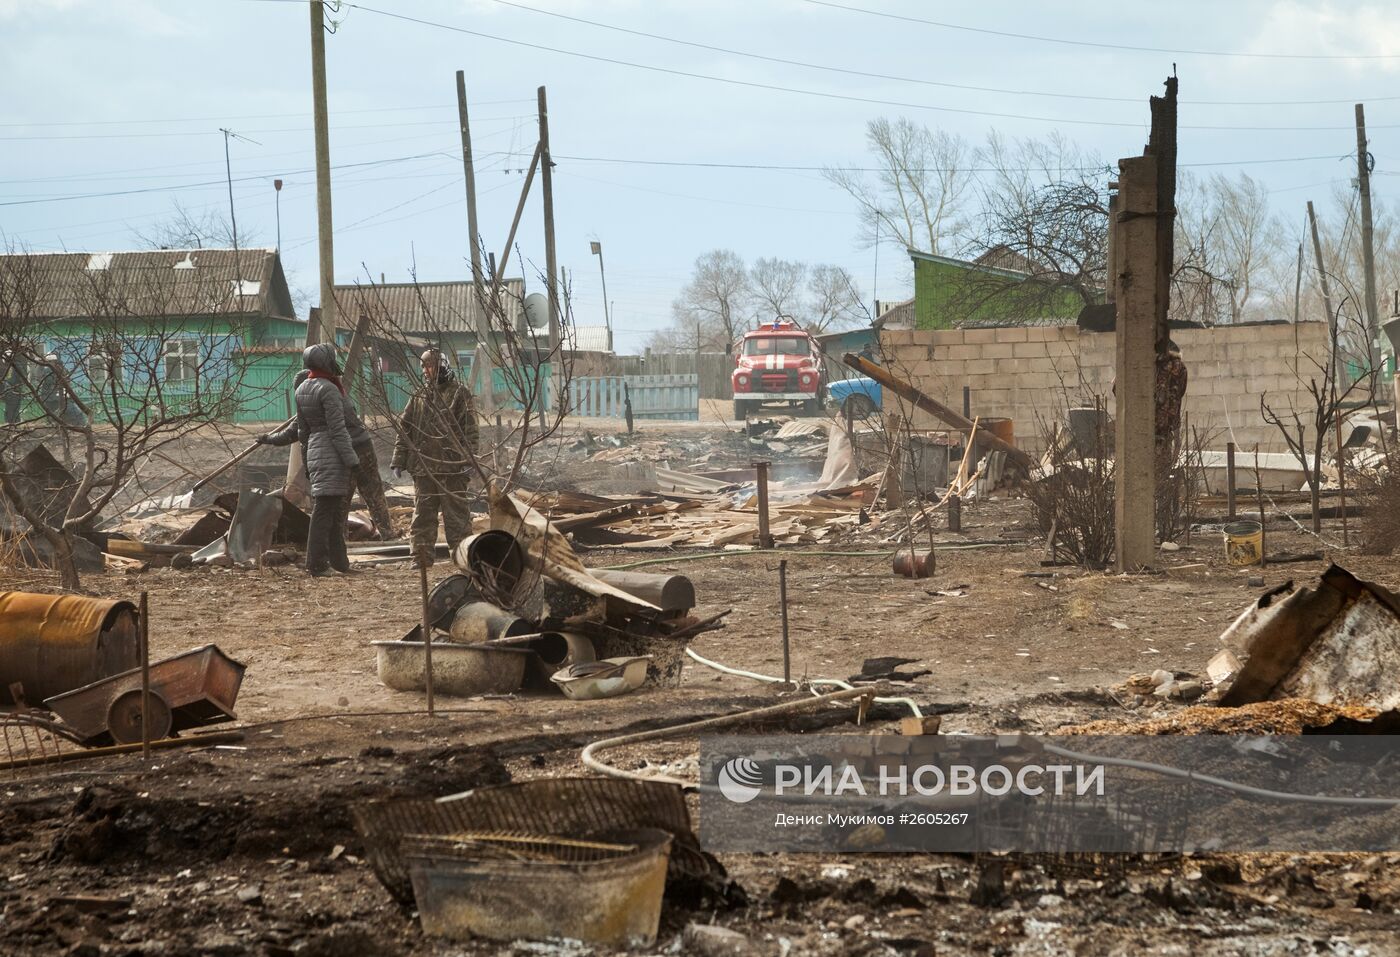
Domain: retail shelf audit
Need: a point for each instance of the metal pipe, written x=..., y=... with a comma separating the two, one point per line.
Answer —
x=427, y=635
x=145, y=678
x=65, y=757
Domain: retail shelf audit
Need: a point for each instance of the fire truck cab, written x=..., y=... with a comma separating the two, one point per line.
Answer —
x=778, y=362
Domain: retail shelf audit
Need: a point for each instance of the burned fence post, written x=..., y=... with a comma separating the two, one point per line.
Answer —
x=782, y=602
x=1230, y=480
x=954, y=513
x=765, y=538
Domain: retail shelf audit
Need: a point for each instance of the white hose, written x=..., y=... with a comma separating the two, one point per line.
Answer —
x=814, y=683
x=1220, y=782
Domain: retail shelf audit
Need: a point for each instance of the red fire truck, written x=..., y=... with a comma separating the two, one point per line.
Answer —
x=778, y=362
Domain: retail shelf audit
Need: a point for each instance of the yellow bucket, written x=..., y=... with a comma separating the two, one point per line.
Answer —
x=1244, y=543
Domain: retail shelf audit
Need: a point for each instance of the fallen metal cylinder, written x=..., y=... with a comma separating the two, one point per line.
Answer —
x=555, y=650
x=913, y=564
x=667, y=592
x=480, y=621
x=50, y=644
x=494, y=560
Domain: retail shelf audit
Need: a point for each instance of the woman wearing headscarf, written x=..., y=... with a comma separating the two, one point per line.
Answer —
x=330, y=458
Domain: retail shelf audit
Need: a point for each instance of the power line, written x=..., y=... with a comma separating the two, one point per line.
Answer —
x=907, y=79
x=285, y=129
x=826, y=95
x=239, y=179
x=256, y=116
x=1099, y=45
x=698, y=164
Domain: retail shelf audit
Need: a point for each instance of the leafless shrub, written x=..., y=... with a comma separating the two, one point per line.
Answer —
x=1072, y=497
x=111, y=369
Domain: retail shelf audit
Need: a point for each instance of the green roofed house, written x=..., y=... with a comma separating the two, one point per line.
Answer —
x=188, y=319
x=1000, y=287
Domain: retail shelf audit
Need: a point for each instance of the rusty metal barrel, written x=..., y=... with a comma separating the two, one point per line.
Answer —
x=55, y=643
x=914, y=564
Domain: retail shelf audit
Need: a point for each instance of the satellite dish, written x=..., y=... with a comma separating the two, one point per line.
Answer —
x=537, y=311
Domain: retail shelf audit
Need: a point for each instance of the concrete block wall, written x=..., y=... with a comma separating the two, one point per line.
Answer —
x=1032, y=374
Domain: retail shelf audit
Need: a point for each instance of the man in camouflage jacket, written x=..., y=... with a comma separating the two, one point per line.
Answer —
x=437, y=442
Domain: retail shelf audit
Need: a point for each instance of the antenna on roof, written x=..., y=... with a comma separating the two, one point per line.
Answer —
x=232, y=218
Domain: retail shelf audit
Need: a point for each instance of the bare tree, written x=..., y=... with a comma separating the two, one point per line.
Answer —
x=833, y=301
x=775, y=286
x=917, y=190
x=130, y=377
x=711, y=308
x=532, y=383
x=187, y=228
x=1307, y=430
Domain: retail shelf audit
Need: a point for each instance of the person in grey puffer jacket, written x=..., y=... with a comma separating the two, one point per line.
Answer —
x=330, y=458
x=365, y=478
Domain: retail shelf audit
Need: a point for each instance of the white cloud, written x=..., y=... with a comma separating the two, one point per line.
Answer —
x=11, y=9
x=1332, y=29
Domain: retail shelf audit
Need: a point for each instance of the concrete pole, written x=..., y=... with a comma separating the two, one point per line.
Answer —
x=325, y=244
x=481, y=364
x=1368, y=252
x=1136, y=260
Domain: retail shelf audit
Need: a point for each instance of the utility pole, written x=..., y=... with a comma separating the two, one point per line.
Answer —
x=481, y=362
x=1326, y=291
x=325, y=244
x=1368, y=254
x=551, y=269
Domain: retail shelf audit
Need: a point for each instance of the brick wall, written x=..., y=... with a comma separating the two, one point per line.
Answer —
x=1031, y=374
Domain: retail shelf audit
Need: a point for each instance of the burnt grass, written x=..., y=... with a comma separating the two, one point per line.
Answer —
x=253, y=852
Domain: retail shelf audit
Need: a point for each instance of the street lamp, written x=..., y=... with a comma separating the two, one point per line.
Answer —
x=597, y=249
x=277, y=194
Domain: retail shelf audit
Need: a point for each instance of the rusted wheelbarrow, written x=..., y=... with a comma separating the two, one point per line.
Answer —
x=188, y=690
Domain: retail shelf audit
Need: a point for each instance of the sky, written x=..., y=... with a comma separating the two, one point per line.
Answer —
x=664, y=150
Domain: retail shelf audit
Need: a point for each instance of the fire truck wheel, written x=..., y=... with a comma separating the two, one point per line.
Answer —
x=741, y=409
x=812, y=407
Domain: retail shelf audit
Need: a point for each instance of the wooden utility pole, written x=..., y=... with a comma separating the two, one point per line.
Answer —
x=481, y=362
x=1368, y=252
x=323, y=172
x=551, y=259
x=1326, y=290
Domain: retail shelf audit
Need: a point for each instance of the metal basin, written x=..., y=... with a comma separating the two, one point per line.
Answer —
x=459, y=670
x=507, y=886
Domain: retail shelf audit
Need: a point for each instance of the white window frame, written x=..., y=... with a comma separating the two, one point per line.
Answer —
x=183, y=354
x=100, y=366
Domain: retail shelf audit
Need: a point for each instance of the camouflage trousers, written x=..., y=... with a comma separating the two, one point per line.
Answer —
x=370, y=485
x=433, y=496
